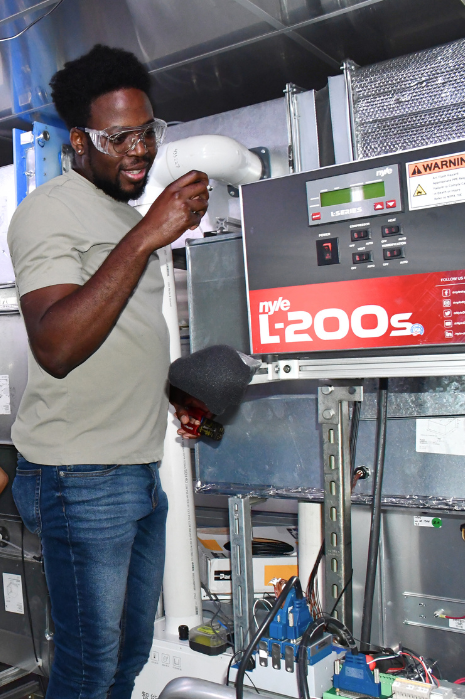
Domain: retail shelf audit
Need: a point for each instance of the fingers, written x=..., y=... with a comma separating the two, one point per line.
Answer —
x=191, y=177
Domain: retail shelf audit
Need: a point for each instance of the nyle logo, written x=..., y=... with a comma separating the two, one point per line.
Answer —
x=270, y=307
x=382, y=173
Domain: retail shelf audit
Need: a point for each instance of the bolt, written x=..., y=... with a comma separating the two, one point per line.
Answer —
x=352, y=390
x=422, y=616
x=421, y=604
x=328, y=414
x=326, y=390
x=286, y=368
x=276, y=369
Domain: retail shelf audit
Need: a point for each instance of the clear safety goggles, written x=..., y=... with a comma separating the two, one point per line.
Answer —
x=124, y=141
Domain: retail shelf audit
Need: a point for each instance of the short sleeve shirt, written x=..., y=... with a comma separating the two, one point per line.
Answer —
x=112, y=409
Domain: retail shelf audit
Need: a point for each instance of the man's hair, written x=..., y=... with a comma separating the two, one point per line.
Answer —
x=102, y=70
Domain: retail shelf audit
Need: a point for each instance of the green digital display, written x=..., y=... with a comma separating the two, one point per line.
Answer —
x=350, y=195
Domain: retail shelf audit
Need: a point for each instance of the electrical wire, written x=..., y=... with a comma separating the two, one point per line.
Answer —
x=259, y=633
x=46, y=14
x=373, y=547
x=266, y=602
x=325, y=622
x=342, y=593
x=354, y=424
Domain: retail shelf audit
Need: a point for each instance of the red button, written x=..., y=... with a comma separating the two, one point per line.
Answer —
x=316, y=217
x=391, y=204
x=379, y=205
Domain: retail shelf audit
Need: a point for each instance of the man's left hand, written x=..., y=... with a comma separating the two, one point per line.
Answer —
x=182, y=402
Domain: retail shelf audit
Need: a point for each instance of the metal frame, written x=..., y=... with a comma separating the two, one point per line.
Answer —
x=333, y=415
x=240, y=531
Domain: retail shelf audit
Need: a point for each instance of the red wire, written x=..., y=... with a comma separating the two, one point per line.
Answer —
x=461, y=680
x=421, y=663
x=454, y=617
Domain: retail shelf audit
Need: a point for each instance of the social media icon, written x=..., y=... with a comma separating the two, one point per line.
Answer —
x=446, y=302
x=447, y=323
x=446, y=292
x=447, y=313
x=448, y=333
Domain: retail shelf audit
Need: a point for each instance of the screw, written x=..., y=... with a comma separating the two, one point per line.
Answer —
x=328, y=414
x=422, y=616
x=276, y=369
x=352, y=390
x=326, y=390
x=286, y=368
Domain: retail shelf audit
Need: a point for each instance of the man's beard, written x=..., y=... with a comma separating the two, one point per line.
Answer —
x=114, y=190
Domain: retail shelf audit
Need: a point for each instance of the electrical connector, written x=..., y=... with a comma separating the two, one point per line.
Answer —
x=410, y=689
x=354, y=675
x=291, y=620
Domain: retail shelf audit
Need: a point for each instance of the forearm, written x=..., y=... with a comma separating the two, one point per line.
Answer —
x=75, y=326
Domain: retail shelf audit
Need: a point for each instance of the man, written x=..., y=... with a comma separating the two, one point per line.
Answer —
x=92, y=420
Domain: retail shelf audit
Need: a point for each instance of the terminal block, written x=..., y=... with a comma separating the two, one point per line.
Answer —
x=354, y=675
x=410, y=689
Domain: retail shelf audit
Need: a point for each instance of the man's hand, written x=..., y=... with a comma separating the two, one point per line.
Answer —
x=179, y=207
x=182, y=402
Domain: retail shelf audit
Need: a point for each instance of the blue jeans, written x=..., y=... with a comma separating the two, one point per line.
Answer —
x=103, y=539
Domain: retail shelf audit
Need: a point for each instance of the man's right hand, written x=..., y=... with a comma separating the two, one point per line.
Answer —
x=179, y=207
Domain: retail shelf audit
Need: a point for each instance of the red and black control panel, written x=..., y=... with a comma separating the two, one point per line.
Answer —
x=369, y=255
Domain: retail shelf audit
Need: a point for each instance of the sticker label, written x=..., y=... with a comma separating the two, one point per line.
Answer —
x=410, y=310
x=26, y=137
x=457, y=624
x=5, y=407
x=13, y=593
x=436, y=182
x=435, y=522
x=441, y=435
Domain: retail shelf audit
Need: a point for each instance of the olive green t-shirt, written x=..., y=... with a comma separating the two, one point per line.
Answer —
x=112, y=409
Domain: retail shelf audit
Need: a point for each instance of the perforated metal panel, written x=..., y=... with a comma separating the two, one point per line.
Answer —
x=409, y=102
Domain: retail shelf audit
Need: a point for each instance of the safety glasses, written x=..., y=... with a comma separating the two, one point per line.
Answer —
x=124, y=141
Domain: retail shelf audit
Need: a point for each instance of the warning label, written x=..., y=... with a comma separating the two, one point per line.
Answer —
x=436, y=182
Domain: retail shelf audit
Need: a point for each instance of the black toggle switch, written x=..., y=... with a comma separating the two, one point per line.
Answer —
x=327, y=251
x=359, y=257
x=360, y=234
x=386, y=231
x=393, y=253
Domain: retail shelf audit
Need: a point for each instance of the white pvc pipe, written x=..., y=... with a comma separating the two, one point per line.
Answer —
x=310, y=538
x=181, y=581
x=223, y=159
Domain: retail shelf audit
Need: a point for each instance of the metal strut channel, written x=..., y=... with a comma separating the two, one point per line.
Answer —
x=240, y=532
x=333, y=415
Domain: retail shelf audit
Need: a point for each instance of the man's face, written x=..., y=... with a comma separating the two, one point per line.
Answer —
x=123, y=177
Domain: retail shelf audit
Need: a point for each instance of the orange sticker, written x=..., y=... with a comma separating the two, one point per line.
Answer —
x=427, y=167
x=279, y=571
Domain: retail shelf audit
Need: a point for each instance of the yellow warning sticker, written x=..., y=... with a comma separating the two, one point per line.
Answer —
x=436, y=182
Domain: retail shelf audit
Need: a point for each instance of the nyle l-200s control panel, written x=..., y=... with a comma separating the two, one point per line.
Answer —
x=365, y=258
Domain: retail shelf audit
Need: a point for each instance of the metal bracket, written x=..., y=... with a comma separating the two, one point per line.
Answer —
x=240, y=532
x=333, y=415
x=424, y=610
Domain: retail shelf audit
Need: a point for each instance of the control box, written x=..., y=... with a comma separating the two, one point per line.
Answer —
x=365, y=259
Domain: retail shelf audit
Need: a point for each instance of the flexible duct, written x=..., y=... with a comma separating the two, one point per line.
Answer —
x=221, y=157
